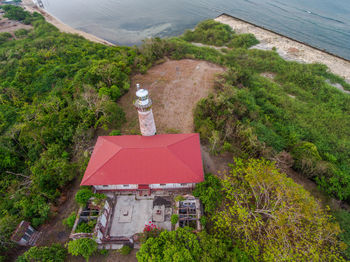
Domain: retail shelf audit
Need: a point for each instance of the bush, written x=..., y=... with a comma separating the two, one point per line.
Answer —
x=54, y=252
x=21, y=33
x=84, y=247
x=179, y=198
x=174, y=219
x=125, y=250
x=86, y=227
x=69, y=221
x=209, y=192
x=210, y=32
x=83, y=196
x=243, y=41
x=4, y=37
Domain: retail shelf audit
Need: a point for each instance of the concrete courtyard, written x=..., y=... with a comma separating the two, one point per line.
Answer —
x=130, y=215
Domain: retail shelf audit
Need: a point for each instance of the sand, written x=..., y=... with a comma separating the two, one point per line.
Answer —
x=288, y=48
x=31, y=7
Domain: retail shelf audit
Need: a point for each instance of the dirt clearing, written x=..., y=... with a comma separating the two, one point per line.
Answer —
x=175, y=88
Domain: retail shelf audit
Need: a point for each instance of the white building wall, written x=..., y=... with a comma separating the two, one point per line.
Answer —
x=116, y=187
x=152, y=186
x=172, y=185
x=147, y=125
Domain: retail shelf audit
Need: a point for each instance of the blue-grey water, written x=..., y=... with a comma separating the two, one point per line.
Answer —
x=321, y=23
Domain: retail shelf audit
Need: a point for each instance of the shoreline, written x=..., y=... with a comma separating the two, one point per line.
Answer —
x=288, y=48
x=29, y=6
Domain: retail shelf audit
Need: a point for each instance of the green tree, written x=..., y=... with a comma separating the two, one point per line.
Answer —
x=274, y=218
x=52, y=253
x=183, y=245
x=84, y=247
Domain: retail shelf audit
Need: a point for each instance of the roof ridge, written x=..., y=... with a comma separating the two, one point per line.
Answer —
x=178, y=141
x=93, y=173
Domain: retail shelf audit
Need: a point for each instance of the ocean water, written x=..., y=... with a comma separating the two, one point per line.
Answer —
x=321, y=23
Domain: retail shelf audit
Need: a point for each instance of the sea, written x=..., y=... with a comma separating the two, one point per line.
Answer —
x=324, y=24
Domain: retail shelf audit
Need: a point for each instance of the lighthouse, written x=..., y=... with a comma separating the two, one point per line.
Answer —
x=143, y=104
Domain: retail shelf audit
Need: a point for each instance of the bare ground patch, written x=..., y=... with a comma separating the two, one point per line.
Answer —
x=11, y=26
x=175, y=88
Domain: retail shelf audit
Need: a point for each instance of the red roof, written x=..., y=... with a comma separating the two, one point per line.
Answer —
x=159, y=159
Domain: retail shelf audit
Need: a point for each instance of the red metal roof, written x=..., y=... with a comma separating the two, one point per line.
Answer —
x=159, y=159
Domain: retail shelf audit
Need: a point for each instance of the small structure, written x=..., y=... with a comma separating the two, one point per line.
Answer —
x=143, y=105
x=25, y=234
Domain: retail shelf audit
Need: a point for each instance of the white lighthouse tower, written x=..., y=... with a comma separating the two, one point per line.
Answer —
x=143, y=105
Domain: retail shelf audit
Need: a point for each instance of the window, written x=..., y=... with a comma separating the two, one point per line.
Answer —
x=162, y=184
x=26, y=237
x=104, y=186
x=183, y=184
x=125, y=185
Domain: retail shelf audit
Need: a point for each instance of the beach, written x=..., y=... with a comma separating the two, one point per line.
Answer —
x=31, y=7
x=288, y=48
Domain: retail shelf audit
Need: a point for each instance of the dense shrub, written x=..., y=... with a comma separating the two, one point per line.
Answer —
x=51, y=108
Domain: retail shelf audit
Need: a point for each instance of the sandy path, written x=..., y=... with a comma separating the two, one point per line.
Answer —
x=31, y=7
x=287, y=48
x=175, y=88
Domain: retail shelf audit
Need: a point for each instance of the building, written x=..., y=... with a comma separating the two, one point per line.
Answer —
x=145, y=163
x=25, y=235
x=139, y=163
x=141, y=175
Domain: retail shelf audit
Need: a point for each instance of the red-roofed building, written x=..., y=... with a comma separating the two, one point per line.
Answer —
x=169, y=161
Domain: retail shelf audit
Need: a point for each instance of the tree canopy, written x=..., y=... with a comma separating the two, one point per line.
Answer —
x=273, y=218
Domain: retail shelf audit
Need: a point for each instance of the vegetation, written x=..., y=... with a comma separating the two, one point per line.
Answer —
x=56, y=91
x=83, y=196
x=274, y=218
x=343, y=217
x=69, y=221
x=174, y=219
x=211, y=32
x=86, y=227
x=183, y=245
x=209, y=192
x=125, y=250
x=54, y=252
x=84, y=247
